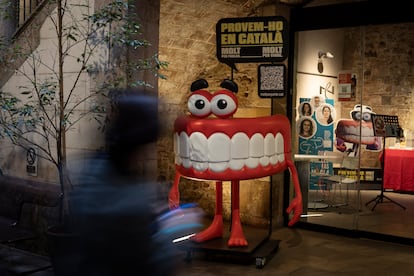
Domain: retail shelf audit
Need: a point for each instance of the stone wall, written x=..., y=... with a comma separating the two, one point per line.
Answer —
x=188, y=43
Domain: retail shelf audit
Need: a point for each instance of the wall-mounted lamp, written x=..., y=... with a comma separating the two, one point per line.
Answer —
x=325, y=55
x=322, y=55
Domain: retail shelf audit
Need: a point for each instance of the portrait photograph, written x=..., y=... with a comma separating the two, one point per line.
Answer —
x=306, y=127
x=325, y=114
x=305, y=109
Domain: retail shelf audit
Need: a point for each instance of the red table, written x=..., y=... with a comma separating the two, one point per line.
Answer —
x=399, y=170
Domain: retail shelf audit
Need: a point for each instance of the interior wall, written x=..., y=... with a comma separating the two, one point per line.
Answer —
x=381, y=56
x=308, y=79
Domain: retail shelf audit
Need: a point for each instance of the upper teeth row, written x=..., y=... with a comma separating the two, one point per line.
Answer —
x=354, y=130
x=219, y=151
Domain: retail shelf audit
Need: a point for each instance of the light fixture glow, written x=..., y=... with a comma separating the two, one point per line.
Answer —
x=184, y=238
x=322, y=55
x=311, y=215
x=325, y=55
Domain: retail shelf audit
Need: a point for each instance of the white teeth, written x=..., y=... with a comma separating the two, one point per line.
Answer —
x=252, y=162
x=200, y=166
x=236, y=164
x=220, y=152
x=351, y=134
x=186, y=163
x=355, y=139
x=280, y=147
x=239, y=151
x=176, y=149
x=354, y=130
x=198, y=147
x=264, y=161
x=240, y=146
x=256, y=145
x=184, y=146
x=269, y=145
x=218, y=148
x=218, y=167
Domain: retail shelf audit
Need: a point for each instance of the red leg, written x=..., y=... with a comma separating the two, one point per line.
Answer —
x=215, y=230
x=174, y=195
x=236, y=236
x=296, y=204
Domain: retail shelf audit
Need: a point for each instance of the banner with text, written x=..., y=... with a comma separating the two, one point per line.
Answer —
x=252, y=39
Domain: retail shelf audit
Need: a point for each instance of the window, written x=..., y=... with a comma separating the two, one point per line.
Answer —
x=26, y=9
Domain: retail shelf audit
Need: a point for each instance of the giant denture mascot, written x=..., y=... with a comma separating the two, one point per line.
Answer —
x=223, y=148
x=348, y=130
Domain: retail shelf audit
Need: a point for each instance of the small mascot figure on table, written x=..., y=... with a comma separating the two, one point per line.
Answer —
x=347, y=132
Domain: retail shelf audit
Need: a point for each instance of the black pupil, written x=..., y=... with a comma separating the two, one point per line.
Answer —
x=200, y=104
x=222, y=104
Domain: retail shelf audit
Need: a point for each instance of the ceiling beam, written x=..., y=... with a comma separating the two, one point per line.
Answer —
x=351, y=14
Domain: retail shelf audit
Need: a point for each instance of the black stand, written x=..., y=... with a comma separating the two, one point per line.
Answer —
x=261, y=247
x=380, y=198
x=386, y=131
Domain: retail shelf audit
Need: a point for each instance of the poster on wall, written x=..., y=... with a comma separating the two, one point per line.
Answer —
x=319, y=169
x=347, y=86
x=31, y=161
x=252, y=39
x=315, y=126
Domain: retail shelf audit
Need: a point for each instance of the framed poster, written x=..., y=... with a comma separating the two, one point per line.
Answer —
x=252, y=39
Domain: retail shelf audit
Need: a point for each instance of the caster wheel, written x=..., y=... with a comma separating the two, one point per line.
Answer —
x=260, y=262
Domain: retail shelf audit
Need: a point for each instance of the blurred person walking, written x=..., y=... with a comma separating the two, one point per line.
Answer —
x=117, y=206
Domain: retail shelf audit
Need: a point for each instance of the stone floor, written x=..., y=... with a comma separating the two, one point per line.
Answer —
x=303, y=252
x=299, y=252
x=387, y=218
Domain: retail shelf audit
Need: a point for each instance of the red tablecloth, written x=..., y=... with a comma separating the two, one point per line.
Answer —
x=399, y=169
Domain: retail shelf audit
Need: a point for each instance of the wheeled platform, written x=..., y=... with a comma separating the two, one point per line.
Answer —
x=259, y=250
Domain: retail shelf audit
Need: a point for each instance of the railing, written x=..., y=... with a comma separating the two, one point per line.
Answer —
x=26, y=8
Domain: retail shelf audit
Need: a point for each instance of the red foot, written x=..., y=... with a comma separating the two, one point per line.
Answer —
x=237, y=238
x=215, y=230
x=296, y=207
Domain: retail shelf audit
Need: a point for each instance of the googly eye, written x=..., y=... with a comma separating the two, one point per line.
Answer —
x=223, y=104
x=366, y=116
x=356, y=115
x=199, y=104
